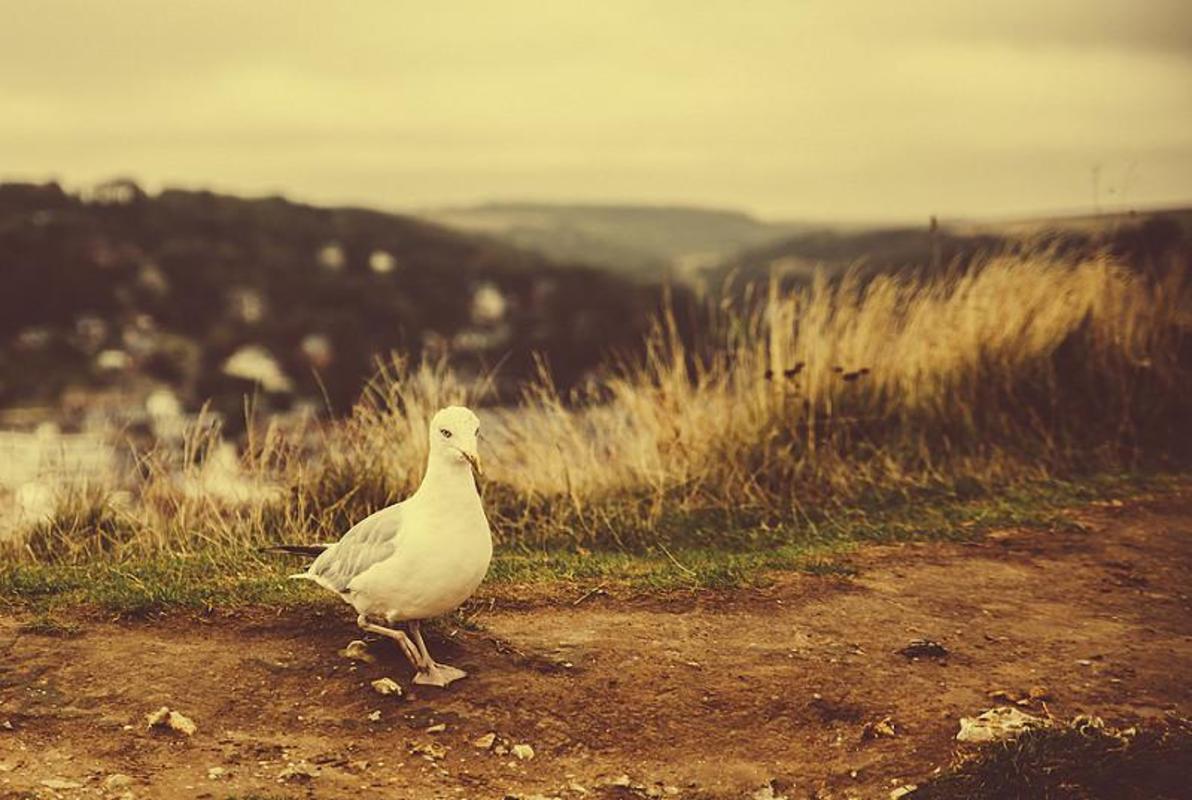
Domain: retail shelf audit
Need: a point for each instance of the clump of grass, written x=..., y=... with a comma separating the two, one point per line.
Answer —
x=1075, y=762
x=85, y=523
x=789, y=409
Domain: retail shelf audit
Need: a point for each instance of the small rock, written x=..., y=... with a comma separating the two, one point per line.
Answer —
x=621, y=781
x=357, y=651
x=387, y=686
x=767, y=792
x=437, y=728
x=430, y=751
x=296, y=772
x=215, y=773
x=116, y=781
x=61, y=783
x=902, y=791
x=996, y=724
x=485, y=742
x=1084, y=662
x=522, y=751
x=883, y=727
x=375, y=716
x=173, y=720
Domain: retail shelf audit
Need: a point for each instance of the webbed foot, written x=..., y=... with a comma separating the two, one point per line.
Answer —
x=439, y=675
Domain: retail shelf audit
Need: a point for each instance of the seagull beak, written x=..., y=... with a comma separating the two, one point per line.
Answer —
x=474, y=460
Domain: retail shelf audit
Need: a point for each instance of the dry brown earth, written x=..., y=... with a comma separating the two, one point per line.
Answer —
x=711, y=694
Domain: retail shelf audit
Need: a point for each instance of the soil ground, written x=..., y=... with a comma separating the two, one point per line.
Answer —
x=705, y=694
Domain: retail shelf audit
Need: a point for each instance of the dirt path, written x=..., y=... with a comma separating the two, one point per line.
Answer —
x=712, y=695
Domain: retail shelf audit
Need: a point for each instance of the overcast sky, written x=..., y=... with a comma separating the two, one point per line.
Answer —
x=844, y=109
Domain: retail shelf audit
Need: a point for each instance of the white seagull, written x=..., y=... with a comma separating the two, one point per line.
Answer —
x=419, y=558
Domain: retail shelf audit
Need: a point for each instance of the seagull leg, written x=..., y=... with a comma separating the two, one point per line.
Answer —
x=435, y=674
x=403, y=641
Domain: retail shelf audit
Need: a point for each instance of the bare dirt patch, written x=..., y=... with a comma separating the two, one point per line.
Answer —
x=712, y=694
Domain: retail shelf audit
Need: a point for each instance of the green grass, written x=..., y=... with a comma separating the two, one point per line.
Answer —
x=691, y=558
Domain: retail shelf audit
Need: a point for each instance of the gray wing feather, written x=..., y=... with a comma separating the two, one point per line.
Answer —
x=370, y=541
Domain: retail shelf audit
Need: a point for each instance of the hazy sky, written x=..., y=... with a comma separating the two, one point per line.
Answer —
x=851, y=109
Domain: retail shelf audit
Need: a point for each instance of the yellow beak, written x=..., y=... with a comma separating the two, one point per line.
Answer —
x=474, y=460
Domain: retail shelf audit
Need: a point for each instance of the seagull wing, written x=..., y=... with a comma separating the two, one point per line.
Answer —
x=369, y=542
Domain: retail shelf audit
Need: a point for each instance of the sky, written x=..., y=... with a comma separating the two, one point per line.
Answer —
x=849, y=110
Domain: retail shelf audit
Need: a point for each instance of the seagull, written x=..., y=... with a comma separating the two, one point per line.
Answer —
x=417, y=559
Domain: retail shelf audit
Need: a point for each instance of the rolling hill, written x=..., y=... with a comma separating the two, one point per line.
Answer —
x=1146, y=240
x=211, y=294
x=644, y=241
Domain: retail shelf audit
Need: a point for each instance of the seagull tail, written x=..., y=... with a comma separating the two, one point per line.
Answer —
x=296, y=549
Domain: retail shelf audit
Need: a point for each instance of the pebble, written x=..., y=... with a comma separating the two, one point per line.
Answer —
x=297, y=771
x=767, y=793
x=522, y=751
x=485, y=742
x=430, y=751
x=387, y=686
x=882, y=727
x=175, y=721
x=357, y=651
x=61, y=783
x=117, y=780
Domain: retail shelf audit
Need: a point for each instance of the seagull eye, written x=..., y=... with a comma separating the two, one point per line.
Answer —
x=446, y=433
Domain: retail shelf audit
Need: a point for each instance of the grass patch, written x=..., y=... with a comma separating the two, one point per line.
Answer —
x=1076, y=762
x=227, y=578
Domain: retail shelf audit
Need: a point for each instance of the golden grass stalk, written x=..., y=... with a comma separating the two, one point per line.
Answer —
x=809, y=398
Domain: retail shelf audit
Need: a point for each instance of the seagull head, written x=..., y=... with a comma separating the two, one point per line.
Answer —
x=454, y=434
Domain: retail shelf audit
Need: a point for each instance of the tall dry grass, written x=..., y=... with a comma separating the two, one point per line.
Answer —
x=794, y=401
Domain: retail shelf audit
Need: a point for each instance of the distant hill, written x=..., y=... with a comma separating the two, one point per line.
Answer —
x=641, y=240
x=1146, y=240
x=210, y=294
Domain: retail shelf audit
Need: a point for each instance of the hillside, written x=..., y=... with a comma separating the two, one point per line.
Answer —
x=211, y=294
x=641, y=240
x=1146, y=240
